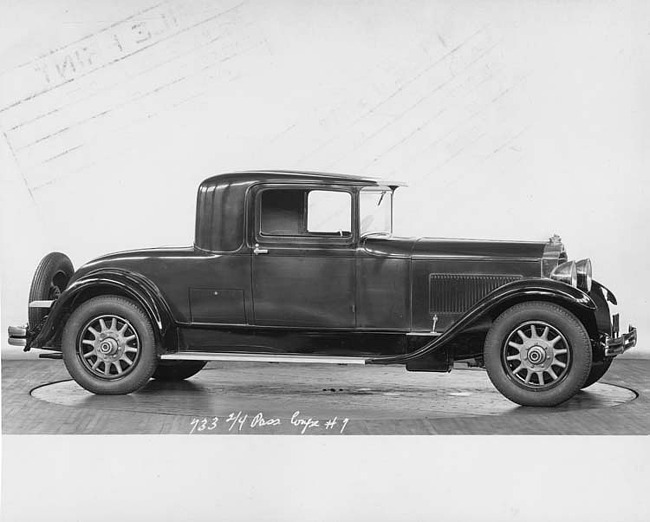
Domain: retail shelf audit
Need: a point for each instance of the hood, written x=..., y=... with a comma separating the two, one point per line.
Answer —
x=528, y=250
x=455, y=248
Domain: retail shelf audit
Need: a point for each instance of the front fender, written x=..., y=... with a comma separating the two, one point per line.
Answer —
x=104, y=282
x=499, y=300
x=536, y=289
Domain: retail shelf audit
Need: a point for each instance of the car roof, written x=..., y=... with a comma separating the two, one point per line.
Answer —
x=296, y=176
x=222, y=197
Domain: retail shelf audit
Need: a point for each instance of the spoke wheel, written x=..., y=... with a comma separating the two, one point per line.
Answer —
x=536, y=355
x=109, y=346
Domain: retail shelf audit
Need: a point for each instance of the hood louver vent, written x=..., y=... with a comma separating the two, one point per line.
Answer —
x=457, y=293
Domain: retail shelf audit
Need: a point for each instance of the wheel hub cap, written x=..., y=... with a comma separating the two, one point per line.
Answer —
x=108, y=347
x=536, y=355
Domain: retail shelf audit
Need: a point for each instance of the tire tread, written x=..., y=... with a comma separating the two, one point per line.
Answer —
x=48, y=266
x=564, y=390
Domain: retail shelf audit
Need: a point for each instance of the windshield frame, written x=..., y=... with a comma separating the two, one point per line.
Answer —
x=388, y=192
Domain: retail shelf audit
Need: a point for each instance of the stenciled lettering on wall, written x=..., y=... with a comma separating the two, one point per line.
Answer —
x=104, y=48
x=62, y=112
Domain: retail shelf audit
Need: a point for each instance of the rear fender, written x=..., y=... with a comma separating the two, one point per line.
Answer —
x=110, y=282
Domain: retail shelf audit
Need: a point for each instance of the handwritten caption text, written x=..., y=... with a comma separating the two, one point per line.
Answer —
x=239, y=421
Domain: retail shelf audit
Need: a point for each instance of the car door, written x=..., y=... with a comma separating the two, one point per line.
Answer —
x=303, y=262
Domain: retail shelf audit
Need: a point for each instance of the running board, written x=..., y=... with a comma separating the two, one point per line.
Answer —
x=255, y=357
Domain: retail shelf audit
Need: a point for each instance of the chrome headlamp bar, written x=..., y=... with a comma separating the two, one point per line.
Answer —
x=566, y=273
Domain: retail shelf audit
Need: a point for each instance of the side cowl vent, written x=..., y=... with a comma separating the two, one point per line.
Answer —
x=456, y=293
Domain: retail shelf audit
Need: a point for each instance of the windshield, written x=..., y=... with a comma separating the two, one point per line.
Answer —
x=376, y=211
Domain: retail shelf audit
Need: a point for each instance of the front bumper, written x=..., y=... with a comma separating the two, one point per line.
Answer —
x=619, y=344
x=18, y=335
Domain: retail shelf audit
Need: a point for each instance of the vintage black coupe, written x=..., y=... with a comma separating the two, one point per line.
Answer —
x=302, y=267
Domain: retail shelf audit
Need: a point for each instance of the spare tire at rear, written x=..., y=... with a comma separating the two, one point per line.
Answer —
x=50, y=280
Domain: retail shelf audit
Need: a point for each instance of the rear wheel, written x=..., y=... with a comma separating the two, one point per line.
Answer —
x=538, y=354
x=177, y=370
x=50, y=280
x=109, y=346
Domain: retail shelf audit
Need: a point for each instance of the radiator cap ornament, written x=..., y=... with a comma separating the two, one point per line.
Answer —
x=555, y=240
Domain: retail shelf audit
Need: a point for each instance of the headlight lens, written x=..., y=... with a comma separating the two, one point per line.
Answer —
x=583, y=268
x=566, y=272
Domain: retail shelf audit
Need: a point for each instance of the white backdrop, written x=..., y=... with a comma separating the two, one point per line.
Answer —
x=508, y=120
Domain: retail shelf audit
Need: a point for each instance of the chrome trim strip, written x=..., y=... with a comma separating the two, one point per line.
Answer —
x=41, y=304
x=254, y=357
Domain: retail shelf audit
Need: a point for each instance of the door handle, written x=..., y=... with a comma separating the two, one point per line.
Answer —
x=257, y=250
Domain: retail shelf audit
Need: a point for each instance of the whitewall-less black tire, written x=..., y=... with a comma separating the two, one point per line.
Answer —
x=109, y=346
x=538, y=354
x=50, y=279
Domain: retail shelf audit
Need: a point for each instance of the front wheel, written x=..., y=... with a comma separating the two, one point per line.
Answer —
x=109, y=346
x=538, y=354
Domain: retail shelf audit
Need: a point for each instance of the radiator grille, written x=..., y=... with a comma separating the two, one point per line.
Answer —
x=456, y=293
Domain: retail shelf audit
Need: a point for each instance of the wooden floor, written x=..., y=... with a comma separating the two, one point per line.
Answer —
x=39, y=398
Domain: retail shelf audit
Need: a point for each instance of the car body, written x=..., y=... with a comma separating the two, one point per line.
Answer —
x=303, y=267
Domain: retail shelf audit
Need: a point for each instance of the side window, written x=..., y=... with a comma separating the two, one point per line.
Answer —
x=329, y=212
x=305, y=213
